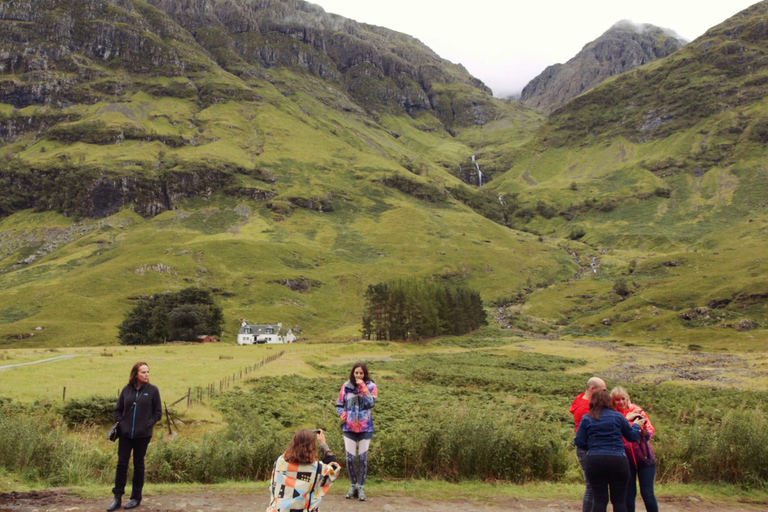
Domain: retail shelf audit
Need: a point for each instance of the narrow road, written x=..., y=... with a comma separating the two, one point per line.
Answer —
x=49, y=360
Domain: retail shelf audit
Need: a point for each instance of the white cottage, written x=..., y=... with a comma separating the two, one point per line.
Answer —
x=251, y=334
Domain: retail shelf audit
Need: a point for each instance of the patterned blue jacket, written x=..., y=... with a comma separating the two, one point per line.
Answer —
x=354, y=406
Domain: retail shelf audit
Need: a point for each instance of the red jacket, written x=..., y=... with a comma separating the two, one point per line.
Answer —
x=579, y=408
x=648, y=431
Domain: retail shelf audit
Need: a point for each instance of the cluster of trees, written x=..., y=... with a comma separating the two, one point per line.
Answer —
x=413, y=309
x=174, y=316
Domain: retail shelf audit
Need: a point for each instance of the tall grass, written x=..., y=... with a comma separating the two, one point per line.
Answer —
x=38, y=446
x=466, y=444
x=733, y=449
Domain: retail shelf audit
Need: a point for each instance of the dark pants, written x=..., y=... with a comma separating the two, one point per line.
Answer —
x=126, y=445
x=586, y=502
x=608, y=472
x=645, y=476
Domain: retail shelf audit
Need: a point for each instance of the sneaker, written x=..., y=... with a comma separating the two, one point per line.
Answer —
x=361, y=494
x=352, y=492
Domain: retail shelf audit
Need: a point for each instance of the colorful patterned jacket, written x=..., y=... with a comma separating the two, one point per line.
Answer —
x=300, y=487
x=354, y=406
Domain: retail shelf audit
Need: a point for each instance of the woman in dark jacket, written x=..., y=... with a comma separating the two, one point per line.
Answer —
x=138, y=409
x=602, y=433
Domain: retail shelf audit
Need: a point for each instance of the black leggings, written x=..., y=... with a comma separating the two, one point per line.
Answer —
x=606, y=472
x=139, y=448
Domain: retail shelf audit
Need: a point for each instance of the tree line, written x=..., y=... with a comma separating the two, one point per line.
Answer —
x=413, y=309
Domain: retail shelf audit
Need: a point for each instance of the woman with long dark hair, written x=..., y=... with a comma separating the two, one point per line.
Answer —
x=138, y=409
x=299, y=479
x=356, y=399
x=602, y=433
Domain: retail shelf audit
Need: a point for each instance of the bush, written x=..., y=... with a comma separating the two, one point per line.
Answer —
x=94, y=409
x=621, y=288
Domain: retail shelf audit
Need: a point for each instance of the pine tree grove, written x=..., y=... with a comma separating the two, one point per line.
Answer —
x=413, y=309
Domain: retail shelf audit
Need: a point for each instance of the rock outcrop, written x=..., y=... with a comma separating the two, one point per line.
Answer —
x=623, y=47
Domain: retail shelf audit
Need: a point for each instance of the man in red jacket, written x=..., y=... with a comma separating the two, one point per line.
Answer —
x=579, y=408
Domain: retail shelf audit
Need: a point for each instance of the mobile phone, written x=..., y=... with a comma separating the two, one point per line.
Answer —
x=317, y=431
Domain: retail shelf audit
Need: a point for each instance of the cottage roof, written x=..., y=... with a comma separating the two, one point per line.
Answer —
x=259, y=329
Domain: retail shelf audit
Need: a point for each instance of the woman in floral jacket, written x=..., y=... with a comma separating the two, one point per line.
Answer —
x=356, y=399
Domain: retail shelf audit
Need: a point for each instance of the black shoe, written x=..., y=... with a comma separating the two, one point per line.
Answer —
x=115, y=504
x=132, y=504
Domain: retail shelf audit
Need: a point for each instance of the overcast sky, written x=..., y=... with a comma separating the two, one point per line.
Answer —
x=506, y=43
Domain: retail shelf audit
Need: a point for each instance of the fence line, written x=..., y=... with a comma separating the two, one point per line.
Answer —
x=199, y=393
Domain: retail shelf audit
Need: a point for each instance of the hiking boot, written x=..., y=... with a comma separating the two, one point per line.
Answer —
x=361, y=494
x=352, y=492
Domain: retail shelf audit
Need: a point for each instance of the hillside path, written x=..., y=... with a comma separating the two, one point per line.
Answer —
x=58, y=500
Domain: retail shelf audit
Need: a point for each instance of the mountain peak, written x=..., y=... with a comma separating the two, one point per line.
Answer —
x=624, y=46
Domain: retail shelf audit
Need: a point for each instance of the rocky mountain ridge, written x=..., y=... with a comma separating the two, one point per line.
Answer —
x=623, y=47
x=51, y=49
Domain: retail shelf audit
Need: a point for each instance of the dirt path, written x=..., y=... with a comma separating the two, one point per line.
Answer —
x=49, y=360
x=58, y=500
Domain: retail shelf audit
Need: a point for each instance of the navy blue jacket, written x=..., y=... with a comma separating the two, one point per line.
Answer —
x=604, y=436
x=137, y=422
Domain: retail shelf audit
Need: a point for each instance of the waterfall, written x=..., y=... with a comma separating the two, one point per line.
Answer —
x=479, y=172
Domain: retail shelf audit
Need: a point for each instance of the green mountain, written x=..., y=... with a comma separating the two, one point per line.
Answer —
x=219, y=145
x=287, y=159
x=661, y=170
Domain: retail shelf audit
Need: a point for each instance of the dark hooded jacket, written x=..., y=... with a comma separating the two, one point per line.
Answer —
x=138, y=410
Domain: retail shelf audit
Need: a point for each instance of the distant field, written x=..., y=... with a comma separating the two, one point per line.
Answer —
x=177, y=367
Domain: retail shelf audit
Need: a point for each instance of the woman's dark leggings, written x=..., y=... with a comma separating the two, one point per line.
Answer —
x=126, y=445
x=608, y=472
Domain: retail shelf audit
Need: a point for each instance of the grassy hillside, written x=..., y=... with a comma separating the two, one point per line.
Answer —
x=333, y=219
x=661, y=171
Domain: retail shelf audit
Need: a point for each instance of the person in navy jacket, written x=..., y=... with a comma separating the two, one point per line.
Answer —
x=602, y=433
x=138, y=409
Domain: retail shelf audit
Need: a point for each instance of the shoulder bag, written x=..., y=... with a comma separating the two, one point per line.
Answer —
x=114, y=432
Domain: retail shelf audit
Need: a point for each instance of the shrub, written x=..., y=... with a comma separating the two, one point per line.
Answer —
x=94, y=409
x=621, y=288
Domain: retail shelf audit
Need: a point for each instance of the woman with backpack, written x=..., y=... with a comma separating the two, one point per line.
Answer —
x=642, y=459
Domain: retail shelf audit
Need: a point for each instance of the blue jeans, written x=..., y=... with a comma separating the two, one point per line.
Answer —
x=586, y=502
x=646, y=476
